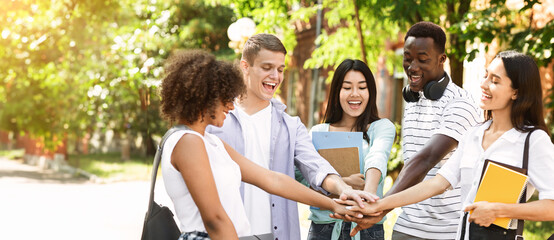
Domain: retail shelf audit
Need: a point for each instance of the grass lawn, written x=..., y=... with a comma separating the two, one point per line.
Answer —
x=110, y=167
x=12, y=154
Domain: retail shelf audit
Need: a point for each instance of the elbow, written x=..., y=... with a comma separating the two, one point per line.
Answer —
x=215, y=223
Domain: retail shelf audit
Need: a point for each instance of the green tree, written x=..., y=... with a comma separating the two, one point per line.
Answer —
x=75, y=67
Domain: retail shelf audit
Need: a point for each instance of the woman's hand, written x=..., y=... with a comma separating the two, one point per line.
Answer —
x=358, y=196
x=345, y=210
x=356, y=181
x=369, y=209
x=484, y=213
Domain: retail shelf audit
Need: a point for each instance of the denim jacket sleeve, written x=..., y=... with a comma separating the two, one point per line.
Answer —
x=314, y=168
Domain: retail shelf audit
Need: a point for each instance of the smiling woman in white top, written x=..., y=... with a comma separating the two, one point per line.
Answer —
x=512, y=100
x=202, y=174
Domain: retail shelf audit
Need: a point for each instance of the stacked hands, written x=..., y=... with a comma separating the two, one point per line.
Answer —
x=366, y=209
x=360, y=207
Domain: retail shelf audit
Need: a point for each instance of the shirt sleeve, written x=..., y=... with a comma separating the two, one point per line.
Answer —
x=458, y=116
x=314, y=168
x=541, y=164
x=382, y=135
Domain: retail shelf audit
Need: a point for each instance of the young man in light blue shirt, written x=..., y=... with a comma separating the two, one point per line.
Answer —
x=280, y=144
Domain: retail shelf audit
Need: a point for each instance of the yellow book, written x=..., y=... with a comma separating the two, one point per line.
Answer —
x=503, y=184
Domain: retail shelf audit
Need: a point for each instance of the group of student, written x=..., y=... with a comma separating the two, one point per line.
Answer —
x=230, y=174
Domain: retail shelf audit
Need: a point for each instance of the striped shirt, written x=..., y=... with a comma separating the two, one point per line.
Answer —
x=451, y=115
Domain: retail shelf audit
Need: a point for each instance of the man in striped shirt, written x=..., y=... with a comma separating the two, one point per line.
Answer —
x=431, y=130
x=435, y=118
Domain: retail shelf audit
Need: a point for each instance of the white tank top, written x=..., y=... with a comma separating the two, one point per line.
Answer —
x=227, y=178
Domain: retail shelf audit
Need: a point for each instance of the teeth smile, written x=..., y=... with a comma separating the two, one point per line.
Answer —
x=270, y=84
x=355, y=102
x=486, y=95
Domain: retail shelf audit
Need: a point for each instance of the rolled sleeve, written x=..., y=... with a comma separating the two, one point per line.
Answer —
x=458, y=116
x=314, y=168
x=382, y=133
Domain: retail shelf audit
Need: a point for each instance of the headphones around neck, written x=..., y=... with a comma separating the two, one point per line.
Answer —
x=433, y=90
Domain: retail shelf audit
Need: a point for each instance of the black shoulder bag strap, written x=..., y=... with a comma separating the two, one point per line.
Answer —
x=523, y=199
x=156, y=164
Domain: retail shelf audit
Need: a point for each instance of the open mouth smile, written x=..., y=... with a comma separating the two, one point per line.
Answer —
x=269, y=85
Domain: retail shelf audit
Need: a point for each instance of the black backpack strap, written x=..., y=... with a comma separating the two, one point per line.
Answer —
x=523, y=199
x=156, y=164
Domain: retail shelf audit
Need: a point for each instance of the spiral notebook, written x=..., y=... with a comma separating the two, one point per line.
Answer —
x=501, y=183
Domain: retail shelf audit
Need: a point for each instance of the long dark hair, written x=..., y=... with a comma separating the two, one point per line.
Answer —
x=527, y=108
x=334, y=111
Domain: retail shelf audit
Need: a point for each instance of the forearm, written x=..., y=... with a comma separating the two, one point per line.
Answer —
x=412, y=173
x=334, y=184
x=417, y=193
x=287, y=187
x=425, y=159
x=541, y=210
x=372, y=177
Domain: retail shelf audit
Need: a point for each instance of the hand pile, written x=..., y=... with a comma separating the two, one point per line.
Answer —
x=362, y=208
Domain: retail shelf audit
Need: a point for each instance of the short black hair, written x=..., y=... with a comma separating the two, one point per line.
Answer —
x=428, y=29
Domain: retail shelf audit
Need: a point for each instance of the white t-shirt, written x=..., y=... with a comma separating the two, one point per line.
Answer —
x=466, y=164
x=451, y=115
x=257, y=132
x=227, y=179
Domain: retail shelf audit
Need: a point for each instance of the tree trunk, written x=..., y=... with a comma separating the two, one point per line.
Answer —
x=126, y=146
x=359, y=30
x=454, y=15
x=150, y=147
x=456, y=64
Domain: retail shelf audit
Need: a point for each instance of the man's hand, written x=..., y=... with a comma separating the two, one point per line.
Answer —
x=484, y=213
x=362, y=223
x=356, y=181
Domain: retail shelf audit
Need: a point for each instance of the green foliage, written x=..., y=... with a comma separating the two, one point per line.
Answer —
x=270, y=17
x=343, y=42
x=75, y=67
x=395, y=158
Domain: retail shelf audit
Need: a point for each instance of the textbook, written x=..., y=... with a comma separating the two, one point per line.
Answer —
x=343, y=150
x=501, y=183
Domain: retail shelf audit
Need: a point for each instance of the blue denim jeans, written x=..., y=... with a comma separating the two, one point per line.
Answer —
x=324, y=231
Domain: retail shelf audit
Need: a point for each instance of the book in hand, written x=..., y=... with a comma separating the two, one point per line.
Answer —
x=344, y=160
x=501, y=183
x=343, y=150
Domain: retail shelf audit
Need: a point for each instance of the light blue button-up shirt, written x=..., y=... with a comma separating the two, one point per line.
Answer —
x=290, y=146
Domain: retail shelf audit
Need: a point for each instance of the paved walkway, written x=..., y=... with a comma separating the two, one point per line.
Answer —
x=38, y=204
x=46, y=205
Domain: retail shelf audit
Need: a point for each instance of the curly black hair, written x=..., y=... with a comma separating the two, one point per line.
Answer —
x=194, y=82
